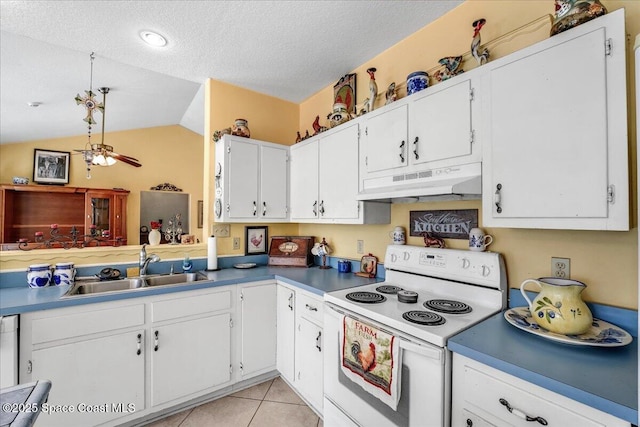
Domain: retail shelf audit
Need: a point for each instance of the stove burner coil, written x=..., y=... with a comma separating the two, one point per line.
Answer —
x=447, y=306
x=388, y=289
x=424, y=318
x=366, y=297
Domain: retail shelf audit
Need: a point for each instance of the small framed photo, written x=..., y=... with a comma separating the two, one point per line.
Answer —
x=51, y=167
x=255, y=240
x=187, y=239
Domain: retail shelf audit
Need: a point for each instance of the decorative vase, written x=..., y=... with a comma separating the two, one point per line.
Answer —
x=241, y=128
x=417, y=81
x=571, y=13
x=154, y=237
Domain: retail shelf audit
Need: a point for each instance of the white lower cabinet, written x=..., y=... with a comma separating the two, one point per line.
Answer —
x=300, y=343
x=484, y=396
x=258, y=328
x=286, y=319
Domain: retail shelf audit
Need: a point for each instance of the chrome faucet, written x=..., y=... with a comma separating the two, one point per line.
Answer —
x=144, y=260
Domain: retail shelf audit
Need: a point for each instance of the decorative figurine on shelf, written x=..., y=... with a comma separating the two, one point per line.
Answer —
x=317, y=128
x=433, y=241
x=571, y=13
x=306, y=135
x=340, y=115
x=217, y=135
x=451, y=64
x=481, y=55
x=391, y=94
x=241, y=128
x=298, y=137
x=373, y=89
x=322, y=249
x=363, y=110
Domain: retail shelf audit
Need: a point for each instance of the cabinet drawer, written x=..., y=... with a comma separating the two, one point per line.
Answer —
x=175, y=308
x=309, y=307
x=483, y=394
x=90, y=322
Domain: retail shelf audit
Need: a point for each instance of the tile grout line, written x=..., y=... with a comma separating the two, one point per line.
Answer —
x=185, y=418
x=261, y=401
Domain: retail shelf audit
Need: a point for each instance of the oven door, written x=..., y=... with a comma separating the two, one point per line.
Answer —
x=425, y=386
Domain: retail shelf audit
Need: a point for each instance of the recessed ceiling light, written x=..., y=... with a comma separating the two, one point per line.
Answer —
x=153, y=39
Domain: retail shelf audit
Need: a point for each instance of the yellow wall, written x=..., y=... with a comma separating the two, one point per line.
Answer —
x=606, y=261
x=170, y=154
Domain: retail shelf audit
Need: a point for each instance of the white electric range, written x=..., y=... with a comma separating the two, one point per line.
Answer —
x=428, y=296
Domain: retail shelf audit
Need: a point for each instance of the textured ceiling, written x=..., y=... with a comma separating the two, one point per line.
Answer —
x=287, y=49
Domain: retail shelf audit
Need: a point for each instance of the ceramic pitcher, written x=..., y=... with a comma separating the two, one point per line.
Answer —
x=559, y=307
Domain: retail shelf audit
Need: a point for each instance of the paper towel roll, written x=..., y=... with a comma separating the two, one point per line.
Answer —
x=212, y=253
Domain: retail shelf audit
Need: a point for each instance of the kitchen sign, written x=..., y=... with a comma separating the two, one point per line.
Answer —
x=450, y=224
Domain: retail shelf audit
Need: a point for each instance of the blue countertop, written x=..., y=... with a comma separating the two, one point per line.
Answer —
x=603, y=378
x=16, y=300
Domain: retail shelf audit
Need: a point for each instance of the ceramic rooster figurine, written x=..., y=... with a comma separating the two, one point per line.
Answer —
x=391, y=94
x=373, y=89
x=317, y=128
x=481, y=57
x=451, y=64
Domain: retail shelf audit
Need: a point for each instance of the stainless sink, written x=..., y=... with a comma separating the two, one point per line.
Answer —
x=131, y=283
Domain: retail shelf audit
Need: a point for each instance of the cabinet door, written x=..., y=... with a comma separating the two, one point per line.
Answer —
x=98, y=210
x=258, y=332
x=440, y=124
x=338, y=172
x=189, y=357
x=104, y=371
x=304, y=181
x=274, y=182
x=286, y=333
x=242, y=192
x=309, y=362
x=385, y=140
x=120, y=216
x=549, y=143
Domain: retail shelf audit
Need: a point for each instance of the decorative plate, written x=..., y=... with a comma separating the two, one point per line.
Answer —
x=245, y=265
x=601, y=334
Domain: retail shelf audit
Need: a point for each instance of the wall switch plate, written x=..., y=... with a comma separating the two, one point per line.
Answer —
x=236, y=243
x=360, y=247
x=221, y=230
x=561, y=267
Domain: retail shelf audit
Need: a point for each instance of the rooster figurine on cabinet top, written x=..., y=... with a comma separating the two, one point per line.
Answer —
x=373, y=89
x=481, y=57
x=317, y=128
x=451, y=68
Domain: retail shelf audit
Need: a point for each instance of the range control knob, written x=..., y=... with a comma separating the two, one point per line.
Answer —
x=485, y=270
x=465, y=263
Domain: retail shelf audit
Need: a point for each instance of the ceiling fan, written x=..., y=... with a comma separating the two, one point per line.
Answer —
x=99, y=154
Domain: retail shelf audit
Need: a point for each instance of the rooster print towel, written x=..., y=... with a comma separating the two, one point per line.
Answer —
x=370, y=357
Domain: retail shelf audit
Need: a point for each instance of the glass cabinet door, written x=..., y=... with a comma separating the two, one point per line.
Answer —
x=98, y=212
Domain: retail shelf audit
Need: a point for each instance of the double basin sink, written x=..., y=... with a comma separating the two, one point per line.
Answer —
x=81, y=288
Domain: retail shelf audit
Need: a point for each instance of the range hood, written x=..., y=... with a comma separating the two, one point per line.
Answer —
x=462, y=182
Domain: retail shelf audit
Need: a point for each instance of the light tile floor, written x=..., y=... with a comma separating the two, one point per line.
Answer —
x=268, y=404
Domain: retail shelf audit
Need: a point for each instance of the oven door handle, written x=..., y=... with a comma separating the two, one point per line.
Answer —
x=430, y=352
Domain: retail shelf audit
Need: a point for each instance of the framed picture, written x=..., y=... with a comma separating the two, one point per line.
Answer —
x=344, y=92
x=255, y=240
x=200, y=213
x=51, y=167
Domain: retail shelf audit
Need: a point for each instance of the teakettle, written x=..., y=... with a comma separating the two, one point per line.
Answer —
x=559, y=307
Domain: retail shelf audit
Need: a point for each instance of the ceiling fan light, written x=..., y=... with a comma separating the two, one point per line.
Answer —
x=99, y=160
x=153, y=39
x=110, y=161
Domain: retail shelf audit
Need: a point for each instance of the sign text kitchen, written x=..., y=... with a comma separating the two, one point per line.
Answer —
x=450, y=224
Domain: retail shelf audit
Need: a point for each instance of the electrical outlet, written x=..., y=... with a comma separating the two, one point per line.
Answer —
x=360, y=248
x=561, y=267
x=236, y=243
x=221, y=230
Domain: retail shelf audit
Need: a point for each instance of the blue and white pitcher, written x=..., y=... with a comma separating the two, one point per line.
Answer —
x=64, y=274
x=39, y=275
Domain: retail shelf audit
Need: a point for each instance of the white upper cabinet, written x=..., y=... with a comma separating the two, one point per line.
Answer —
x=556, y=150
x=251, y=180
x=324, y=181
x=385, y=140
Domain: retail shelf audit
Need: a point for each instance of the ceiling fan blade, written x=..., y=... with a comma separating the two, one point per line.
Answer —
x=126, y=159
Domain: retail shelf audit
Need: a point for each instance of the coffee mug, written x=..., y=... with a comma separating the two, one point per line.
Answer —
x=344, y=266
x=478, y=241
x=398, y=236
x=39, y=275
